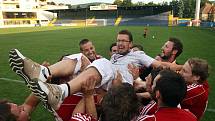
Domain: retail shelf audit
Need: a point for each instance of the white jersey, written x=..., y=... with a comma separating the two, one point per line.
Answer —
x=138, y=58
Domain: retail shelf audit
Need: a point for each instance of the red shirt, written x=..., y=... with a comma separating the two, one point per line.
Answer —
x=168, y=114
x=67, y=107
x=196, y=99
x=69, y=104
x=149, y=109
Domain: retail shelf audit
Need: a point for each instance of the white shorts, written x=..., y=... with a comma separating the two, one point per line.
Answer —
x=75, y=57
x=106, y=70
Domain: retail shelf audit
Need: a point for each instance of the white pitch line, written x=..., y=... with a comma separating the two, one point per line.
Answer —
x=211, y=110
x=19, y=81
x=12, y=80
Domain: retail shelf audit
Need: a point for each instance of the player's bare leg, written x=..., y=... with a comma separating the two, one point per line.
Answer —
x=51, y=95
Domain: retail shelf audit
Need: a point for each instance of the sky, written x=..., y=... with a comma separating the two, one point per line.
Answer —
x=75, y=2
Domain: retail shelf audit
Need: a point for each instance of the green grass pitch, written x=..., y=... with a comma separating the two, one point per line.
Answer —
x=50, y=43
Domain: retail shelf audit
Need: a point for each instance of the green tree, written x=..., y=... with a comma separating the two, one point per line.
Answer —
x=139, y=3
x=190, y=7
x=127, y=3
x=117, y=2
x=193, y=8
x=189, y=10
x=69, y=6
x=181, y=9
x=164, y=3
x=151, y=4
x=175, y=7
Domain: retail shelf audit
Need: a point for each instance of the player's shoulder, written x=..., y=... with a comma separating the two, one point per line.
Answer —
x=136, y=53
x=190, y=116
x=195, y=90
x=149, y=109
x=146, y=118
x=116, y=56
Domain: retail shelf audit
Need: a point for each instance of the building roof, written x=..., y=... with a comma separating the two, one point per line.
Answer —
x=212, y=11
x=206, y=8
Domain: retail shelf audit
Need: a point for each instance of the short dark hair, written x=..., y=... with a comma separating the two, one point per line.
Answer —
x=200, y=68
x=126, y=32
x=177, y=45
x=120, y=103
x=172, y=88
x=112, y=45
x=5, y=111
x=138, y=46
x=82, y=42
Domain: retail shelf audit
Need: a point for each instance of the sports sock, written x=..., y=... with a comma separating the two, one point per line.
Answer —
x=43, y=87
x=65, y=89
x=44, y=73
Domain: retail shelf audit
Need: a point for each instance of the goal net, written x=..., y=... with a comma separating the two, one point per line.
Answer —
x=96, y=22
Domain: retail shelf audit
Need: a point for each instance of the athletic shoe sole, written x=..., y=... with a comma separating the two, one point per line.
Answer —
x=16, y=61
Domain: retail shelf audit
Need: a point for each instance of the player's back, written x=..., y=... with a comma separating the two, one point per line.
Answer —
x=196, y=99
x=169, y=114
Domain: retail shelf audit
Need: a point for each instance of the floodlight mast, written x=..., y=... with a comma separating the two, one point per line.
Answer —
x=197, y=12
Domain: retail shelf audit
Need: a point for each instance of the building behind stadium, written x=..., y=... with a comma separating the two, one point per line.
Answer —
x=27, y=13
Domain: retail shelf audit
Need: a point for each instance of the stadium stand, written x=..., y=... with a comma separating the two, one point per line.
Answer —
x=140, y=15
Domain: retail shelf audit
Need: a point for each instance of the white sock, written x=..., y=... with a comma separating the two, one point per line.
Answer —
x=43, y=87
x=44, y=73
x=65, y=89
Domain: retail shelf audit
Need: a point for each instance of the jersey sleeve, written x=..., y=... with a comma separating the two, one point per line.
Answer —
x=82, y=117
x=149, y=109
x=144, y=59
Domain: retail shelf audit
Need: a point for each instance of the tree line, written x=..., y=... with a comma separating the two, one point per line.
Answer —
x=181, y=8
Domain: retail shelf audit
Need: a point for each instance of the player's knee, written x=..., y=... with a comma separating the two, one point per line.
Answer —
x=84, y=62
